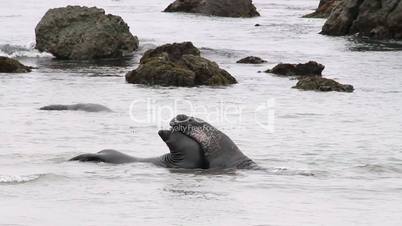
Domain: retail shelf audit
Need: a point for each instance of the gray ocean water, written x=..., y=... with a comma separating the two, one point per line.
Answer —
x=330, y=158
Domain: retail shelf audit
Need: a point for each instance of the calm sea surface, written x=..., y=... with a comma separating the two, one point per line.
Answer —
x=331, y=158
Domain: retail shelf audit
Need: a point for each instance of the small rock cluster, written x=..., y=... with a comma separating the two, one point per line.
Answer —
x=310, y=77
x=82, y=33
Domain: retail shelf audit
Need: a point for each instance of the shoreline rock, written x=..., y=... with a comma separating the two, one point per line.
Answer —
x=178, y=64
x=222, y=8
x=368, y=18
x=317, y=83
x=310, y=68
x=251, y=60
x=83, y=33
x=324, y=9
x=8, y=65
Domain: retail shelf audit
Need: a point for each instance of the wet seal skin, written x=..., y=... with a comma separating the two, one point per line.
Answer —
x=76, y=107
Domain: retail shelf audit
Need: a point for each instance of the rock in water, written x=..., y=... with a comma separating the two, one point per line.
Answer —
x=371, y=18
x=178, y=64
x=324, y=9
x=310, y=68
x=251, y=60
x=224, y=8
x=322, y=84
x=8, y=65
x=82, y=33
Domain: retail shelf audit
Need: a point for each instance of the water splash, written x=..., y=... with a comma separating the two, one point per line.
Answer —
x=27, y=50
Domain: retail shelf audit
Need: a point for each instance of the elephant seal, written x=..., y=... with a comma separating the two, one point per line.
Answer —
x=184, y=153
x=76, y=107
x=219, y=150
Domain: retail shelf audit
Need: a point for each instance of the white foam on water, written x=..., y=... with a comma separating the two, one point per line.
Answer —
x=18, y=179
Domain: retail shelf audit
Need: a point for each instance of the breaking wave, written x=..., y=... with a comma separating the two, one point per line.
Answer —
x=18, y=179
x=27, y=50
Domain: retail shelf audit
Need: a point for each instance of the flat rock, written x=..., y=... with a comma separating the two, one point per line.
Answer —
x=310, y=68
x=251, y=60
x=318, y=83
x=223, y=8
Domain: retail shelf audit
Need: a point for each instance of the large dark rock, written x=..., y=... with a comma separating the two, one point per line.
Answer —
x=8, y=65
x=310, y=68
x=379, y=19
x=322, y=84
x=251, y=60
x=324, y=9
x=76, y=32
x=224, y=8
x=178, y=64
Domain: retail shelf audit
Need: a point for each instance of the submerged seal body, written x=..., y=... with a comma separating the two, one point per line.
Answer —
x=107, y=155
x=76, y=107
x=219, y=150
x=184, y=153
